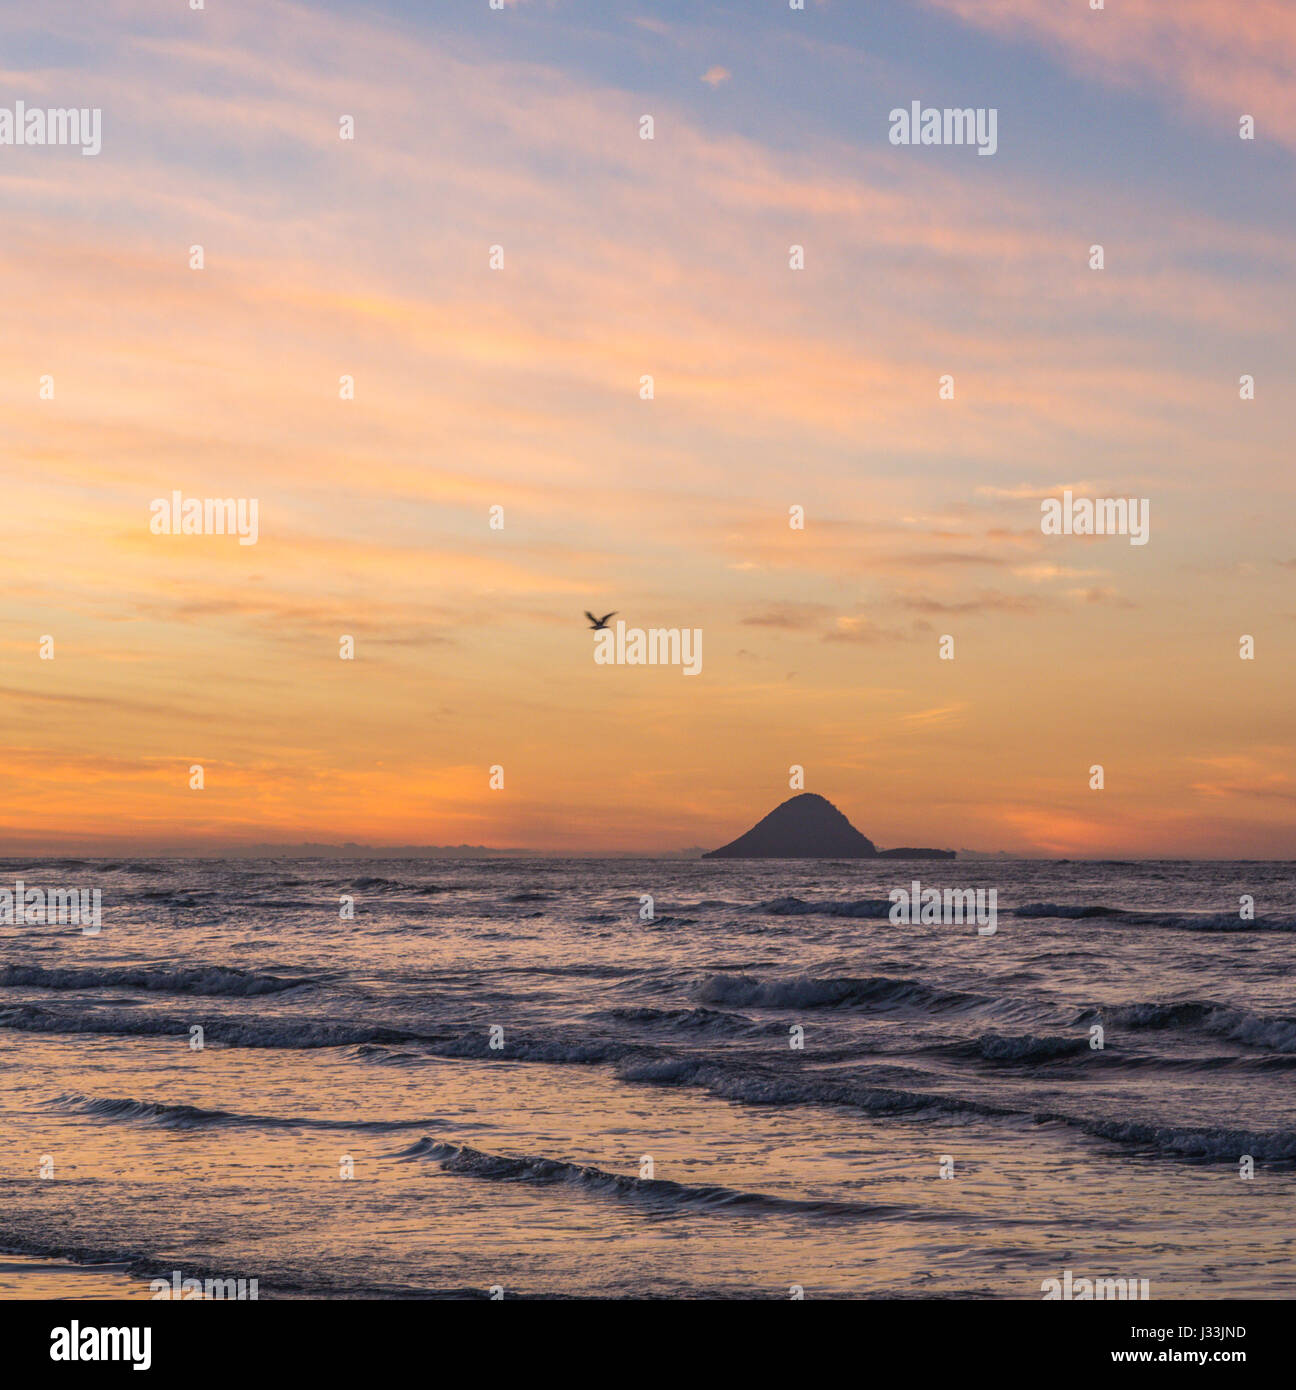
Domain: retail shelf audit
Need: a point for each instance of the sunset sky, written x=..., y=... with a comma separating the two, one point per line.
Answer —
x=519, y=388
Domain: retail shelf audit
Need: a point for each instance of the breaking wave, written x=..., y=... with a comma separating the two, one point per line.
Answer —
x=846, y=991
x=662, y=1192
x=201, y=980
x=196, y=1117
x=1272, y=1032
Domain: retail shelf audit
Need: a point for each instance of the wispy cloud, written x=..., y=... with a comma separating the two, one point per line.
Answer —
x=521, y=388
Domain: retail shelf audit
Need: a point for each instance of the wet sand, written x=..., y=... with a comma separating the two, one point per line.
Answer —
x=23, y=1276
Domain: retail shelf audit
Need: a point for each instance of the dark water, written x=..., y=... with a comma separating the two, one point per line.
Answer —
x=757, y=1089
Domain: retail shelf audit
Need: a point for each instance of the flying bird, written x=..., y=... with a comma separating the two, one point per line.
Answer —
x=598, y=624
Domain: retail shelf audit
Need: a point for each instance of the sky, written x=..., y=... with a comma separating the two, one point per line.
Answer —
x=519, y=388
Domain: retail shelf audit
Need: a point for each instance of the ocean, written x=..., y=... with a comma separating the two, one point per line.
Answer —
x=497, y=1079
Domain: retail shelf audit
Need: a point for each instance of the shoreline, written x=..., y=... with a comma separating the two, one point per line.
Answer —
x=31, y=1277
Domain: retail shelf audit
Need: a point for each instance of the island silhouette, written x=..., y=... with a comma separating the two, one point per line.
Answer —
x=809, y=826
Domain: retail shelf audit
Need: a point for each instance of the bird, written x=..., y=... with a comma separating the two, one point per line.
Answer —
x=598, y=624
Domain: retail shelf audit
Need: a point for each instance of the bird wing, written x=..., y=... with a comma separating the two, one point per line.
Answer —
x=590, y=616
x=606, y=616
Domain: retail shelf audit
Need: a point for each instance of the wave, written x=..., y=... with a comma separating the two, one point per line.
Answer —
x=1022, y=1048
x=660, y=1192
x=804, y=992
x=879, y=908
x=309, y=1034
x=387, y=1056
x=743, y=1081
x=1028, y=1050
x=201, y=980
x=233, y=1032
x=1172, y=921
x=746, y=1084
x=1272, y=1032
x=1067, y=911
x=1207, y=1144
x=705, y=1021
x=593, y=971
x=146, y=1266
x=753, y=1086
x=197, y=1117
x=318, y=1283
x=1212, y=922
x=1196, y=1065
x=1203, y=1143
x=375, y=882
x=560, y=1051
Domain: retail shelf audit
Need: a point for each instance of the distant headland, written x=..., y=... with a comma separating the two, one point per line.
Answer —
x=810, y=827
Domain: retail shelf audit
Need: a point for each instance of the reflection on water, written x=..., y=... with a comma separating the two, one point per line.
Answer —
x=496, y=1075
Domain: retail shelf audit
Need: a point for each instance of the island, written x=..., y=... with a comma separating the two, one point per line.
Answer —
x=809, y=826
